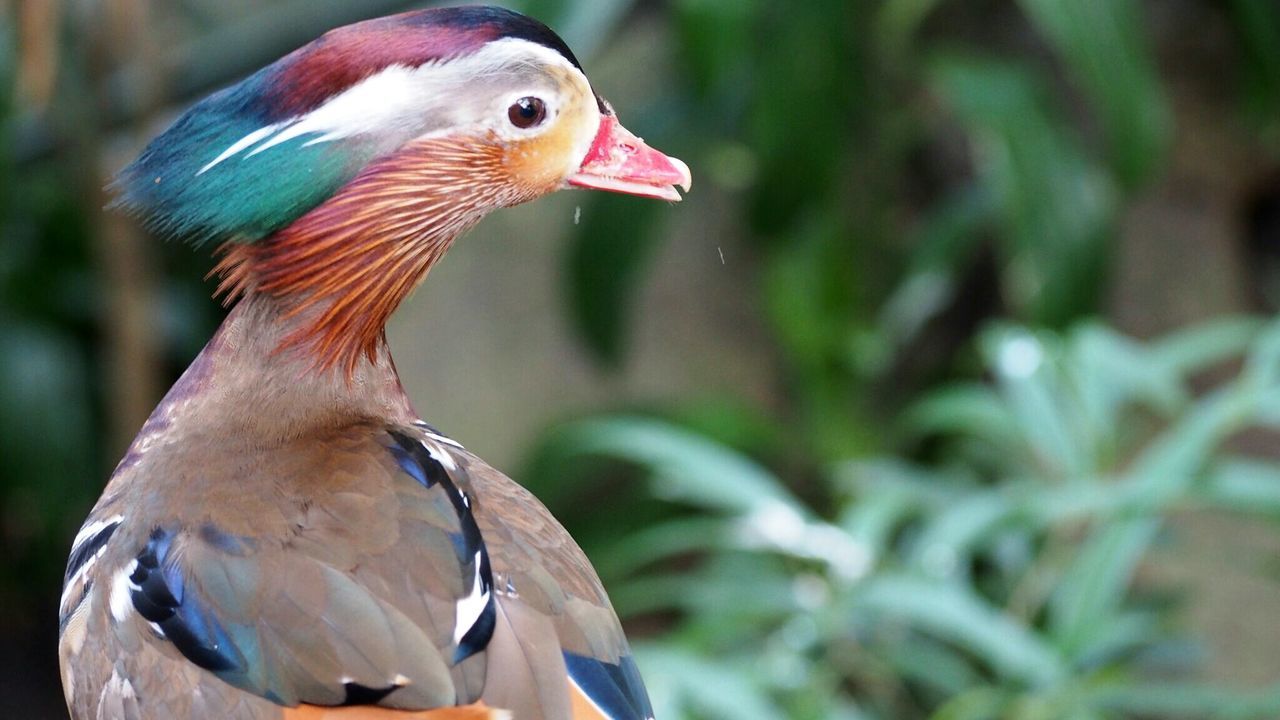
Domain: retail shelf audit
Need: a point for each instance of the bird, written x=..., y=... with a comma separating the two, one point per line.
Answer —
x=286, y=538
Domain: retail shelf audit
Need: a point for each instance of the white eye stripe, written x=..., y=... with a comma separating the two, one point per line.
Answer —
x=402, y=102
x=241, y=144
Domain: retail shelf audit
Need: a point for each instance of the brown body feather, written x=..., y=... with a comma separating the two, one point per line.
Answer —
x=341, y=563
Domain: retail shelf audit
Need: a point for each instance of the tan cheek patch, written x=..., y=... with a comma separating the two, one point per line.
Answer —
x=542, y=162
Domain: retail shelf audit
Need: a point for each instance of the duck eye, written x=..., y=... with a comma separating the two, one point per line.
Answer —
x=527, y=112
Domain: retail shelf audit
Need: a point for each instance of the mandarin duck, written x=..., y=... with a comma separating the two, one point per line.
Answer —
x=286, y=538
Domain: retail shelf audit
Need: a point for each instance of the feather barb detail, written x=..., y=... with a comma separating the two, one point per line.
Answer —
x=342, y=269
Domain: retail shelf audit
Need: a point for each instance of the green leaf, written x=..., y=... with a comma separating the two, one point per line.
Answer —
x=1126, y=633
x=715, y=37
x=800, y=112
x=1094, y=586
x=954, y=613
x=691, y=469
x=947, y=541
x=950, y=237
x=927, y=487
x=883, y=493
x=731, y=589
x=898, y=20
x=1104, y=47
x=1026, y=368
x=1188, y=700
x=973, y=410
x=1055, y=202
x=686, y=467
x=1109, y=373
x=658, y=542
x=1201, y=346
x=604, y=267
x=678, y=678
x=1243, y=484
x=806, y=311
x=1262, y=364
x=1257, y=22
x=1167, y=467
x=1090, y=593
x=980, y=703
x=933, y=664
x=1084, y=499
x=873, y=519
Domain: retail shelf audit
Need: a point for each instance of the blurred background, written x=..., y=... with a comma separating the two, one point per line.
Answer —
x=951, y=391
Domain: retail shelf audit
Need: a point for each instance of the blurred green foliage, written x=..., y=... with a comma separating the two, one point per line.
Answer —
x=948, y=516
x=996, y=583
x=45, y=315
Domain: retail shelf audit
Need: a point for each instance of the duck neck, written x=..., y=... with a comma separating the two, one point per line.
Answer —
x=245, y=391
x=338, y=272
x=304, y=348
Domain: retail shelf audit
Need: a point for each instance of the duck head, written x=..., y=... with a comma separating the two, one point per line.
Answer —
x=334, y=177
